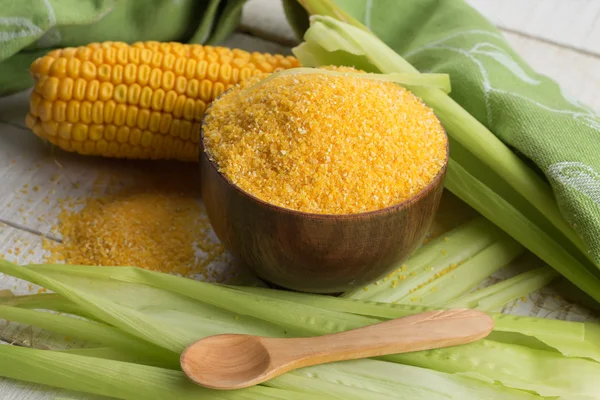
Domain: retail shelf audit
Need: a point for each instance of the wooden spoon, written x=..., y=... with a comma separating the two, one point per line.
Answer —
x=237, y=361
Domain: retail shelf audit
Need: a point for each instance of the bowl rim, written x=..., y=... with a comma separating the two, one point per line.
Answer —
x=394, y=208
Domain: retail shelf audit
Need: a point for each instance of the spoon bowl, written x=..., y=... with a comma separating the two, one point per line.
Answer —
x=239, y=361
x=213, y=361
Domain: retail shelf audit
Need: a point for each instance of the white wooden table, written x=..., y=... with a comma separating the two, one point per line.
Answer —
x=559, y=38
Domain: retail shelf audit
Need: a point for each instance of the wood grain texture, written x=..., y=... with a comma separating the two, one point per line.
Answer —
x=569, y=23
x=239, y=361
x=315, y=252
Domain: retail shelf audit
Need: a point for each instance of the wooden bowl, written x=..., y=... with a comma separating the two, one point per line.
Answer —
x=314, y=252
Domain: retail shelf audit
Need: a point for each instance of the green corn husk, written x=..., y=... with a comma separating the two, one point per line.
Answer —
x=119, y=379
x=151, y=313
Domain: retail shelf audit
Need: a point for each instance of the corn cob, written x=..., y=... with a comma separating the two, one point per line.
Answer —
x=144, y=100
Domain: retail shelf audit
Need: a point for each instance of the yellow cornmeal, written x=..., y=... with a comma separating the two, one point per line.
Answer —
x=325, y=144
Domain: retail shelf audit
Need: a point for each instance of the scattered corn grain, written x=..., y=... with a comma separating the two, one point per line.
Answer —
x=158, y=224
x=325, y=144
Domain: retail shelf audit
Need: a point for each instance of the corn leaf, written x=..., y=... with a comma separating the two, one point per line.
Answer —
x=118, y=379
x=299, y=319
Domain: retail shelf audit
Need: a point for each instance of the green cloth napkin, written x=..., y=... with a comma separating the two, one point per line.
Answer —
x=526, y=110
x=30, y=28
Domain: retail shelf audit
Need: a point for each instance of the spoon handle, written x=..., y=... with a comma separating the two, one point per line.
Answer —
x=424, y=331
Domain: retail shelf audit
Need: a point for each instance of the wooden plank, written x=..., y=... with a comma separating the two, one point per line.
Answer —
x=571, y=23
x=576, y=72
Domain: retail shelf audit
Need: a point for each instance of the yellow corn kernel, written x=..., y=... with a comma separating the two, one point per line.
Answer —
x=143, y=75
x=218, y=89
x=59, y=111
x=106, y=91
x=88, y=70
x=131, y=118
x=120, y=94
x=50, y=127
x=192, y=88
x=110, y=55
x=143, y=118
x=123, y=134
x=146, y=139
x=188, y=109
x=179, y=67
x=30, y=120
x=91, y=93
x=45, y=110
x=50, y=91
x=170, y=99
x=64, y=130
x=133, y=94
x=98, y=112
x=146, y=97
x=59, y=68
x=38, y=129
x=135, y=136
x=154, y=121
x=130, y=74
x=145, y=100
x=120, y=114
x=206, y=90
x=96, y=132
x=80, y=132
x=180, y=84
x=104, y=73
x=34, y=103
x=109, y=111
x=190, y=68
x=117, y=74
x=72, y=111
x=110, y=133
x=65, y=89
x=41, y=66
x=158, y=97
x=123, y=56
x=155, y=78
x=199, y=108
x=157, y=141
x=201, y=69
x=185, y=130
x=97, y=56
x=168, y=80
x=85, y=112
x=168, y=62
x=174, y=129
x=165, y=123
x=178, y=108
x=79, y=89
